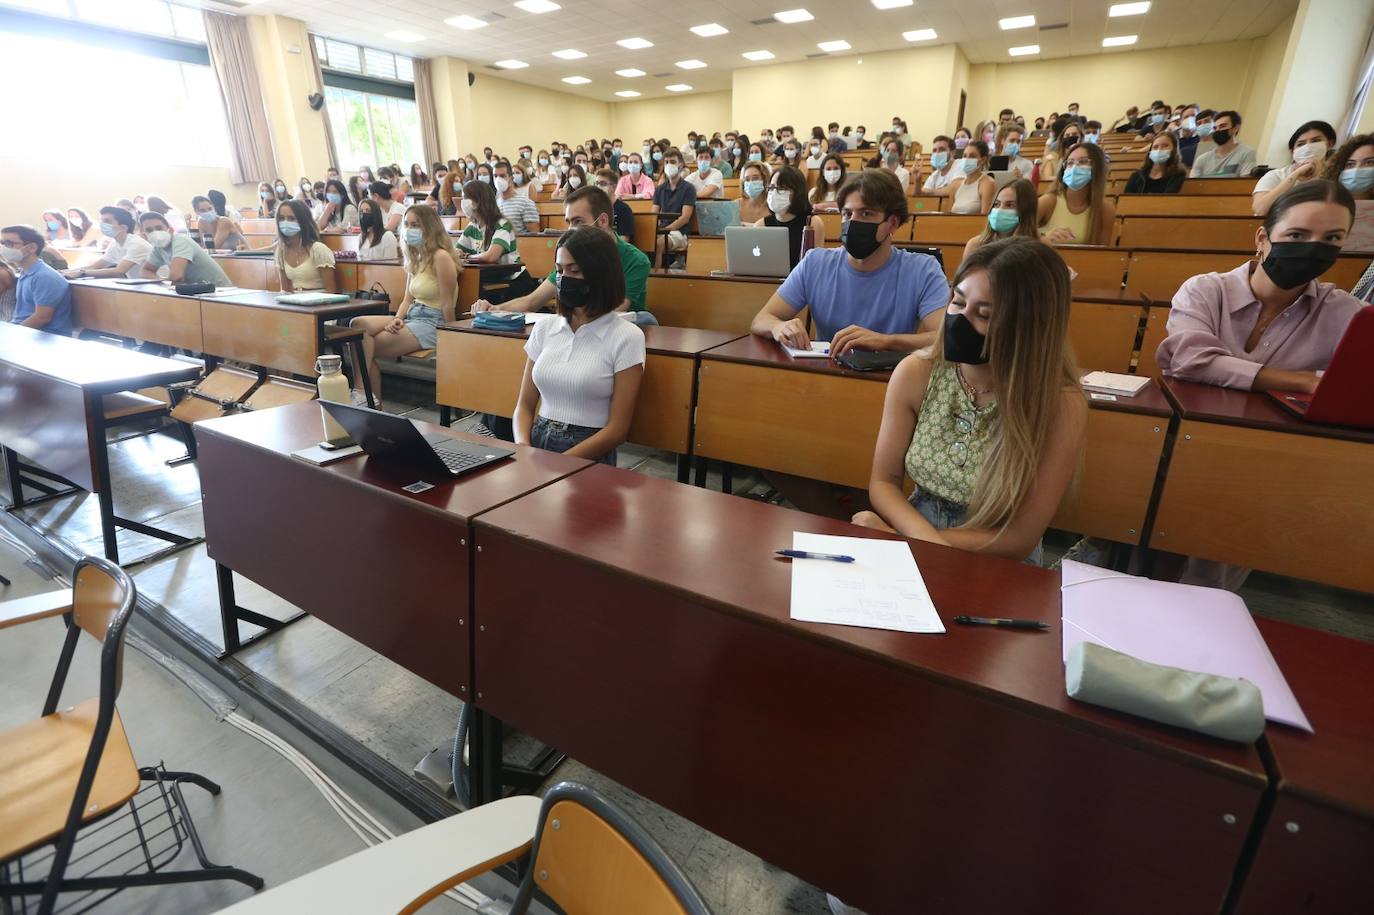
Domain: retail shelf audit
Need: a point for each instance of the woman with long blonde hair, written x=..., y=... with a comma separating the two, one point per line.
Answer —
x=432, y=269
x=989, y=422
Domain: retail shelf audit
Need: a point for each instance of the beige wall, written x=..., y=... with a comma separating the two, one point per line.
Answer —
x=1266, y=63
x=64, y=183
x=916, y=84
x=1105, y=85
x=287, y=80
x=506, y=114
x=672, y=117
x=452, y=106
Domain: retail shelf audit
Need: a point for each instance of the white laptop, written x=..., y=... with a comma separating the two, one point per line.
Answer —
x=757, y=251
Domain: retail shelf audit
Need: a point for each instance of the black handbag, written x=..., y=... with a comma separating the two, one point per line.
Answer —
x=194, y=288
x=861, y=361
x=375, y=294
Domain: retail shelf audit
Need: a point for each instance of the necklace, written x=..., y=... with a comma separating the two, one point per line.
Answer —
x=972, y=391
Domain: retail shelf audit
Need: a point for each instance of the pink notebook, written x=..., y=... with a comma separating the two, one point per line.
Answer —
x=1201, y=629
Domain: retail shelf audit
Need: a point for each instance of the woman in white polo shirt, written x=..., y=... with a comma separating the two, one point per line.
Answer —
x=586, y=362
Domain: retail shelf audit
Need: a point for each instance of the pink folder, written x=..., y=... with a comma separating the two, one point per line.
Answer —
x=1201, y=629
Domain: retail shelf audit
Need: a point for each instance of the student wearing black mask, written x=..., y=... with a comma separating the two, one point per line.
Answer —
x=866, y=295
x=990, y=423
x=1268, y=325
x=584, y=366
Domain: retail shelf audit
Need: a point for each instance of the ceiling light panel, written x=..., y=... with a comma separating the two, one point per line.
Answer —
x=831, y=47
x=465, y=22
x=628, y=93
x=891, y=4
x=678, y=87
x=791, y=16
x=635, y=44
x=511, y=64
x=1129, y=9
x=1016, y=22
x=758, y=55
x=570, y=54
x=630, y=73
x=576, y=80
x=1024, y=50
x=537, y=6
x=1119, y=41
x=689, y=64
x=920, y=35
x=710, y=30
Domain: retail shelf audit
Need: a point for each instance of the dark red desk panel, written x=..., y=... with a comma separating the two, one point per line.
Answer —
x=1317, y=851
x=346, y=544
x=643, y=627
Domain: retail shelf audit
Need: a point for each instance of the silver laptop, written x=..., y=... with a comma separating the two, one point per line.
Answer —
x=757, y=251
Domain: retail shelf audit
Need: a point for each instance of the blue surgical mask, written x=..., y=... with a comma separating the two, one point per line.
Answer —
x=1205, y=130
x=658, y=155
x=1358, y=180
x=753, y=188
x=1077, y=176
x=1156, y=119
x=1011, y=149
x=108, y=230
x=334, y=198
x=1003, y=220
x=704, y=165
x=1159, y=156
x=414, y=236
x=1090, y=138
x=207, y=216
x=756, y=157
x=289, y=229
x=635, y=168
x=53, y=225
x=968, y=165
x=939, y=160
x=1188, y=123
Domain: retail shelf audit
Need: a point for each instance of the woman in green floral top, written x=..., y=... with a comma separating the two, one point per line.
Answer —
x=990, y=422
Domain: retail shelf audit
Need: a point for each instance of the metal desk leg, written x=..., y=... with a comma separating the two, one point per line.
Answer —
x=489, y=774
x=95, y=409
x=230, y=614
x=16, y=481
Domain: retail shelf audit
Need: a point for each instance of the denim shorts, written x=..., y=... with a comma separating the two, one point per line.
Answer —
x=942, y=514
x=555, y=436
x=423, y=322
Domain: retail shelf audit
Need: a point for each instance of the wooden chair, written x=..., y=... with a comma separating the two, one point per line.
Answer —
x=588, y=856
x=74, y=768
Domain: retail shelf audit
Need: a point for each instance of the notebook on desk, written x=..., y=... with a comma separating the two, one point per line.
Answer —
x=1342, y=396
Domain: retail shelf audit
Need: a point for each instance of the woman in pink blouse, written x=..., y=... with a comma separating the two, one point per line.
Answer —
x=1268, y=325
x=635, y=183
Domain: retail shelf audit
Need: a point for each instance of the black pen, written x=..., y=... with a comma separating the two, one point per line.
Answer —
x=1001, y=621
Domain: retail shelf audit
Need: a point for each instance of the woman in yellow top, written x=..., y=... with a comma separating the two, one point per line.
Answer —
x=989, y=422
x=432, y=270
x=1078, y=211
x=304, y=263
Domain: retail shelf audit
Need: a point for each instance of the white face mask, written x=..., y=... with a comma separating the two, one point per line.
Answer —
x=574, y=181
x=159, y=239
x=12, y=255
x=832, y=175
x=670, y=170
x=779, y=201
x=1313, y=150
x=502, y=185
x=469, y=209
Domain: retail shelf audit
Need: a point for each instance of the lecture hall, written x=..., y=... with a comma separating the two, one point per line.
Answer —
x=597, y=457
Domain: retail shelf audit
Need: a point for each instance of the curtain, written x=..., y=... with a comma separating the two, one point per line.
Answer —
x=1364, y=80
x=329, y=149
x=231, y=60
x=424, y=106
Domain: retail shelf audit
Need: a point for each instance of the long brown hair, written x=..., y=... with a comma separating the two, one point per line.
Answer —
x=450, y=191
x=420, y=259
x=1173, y=166
x=1032, y=366
x=1097, y=188
x=1026, y=212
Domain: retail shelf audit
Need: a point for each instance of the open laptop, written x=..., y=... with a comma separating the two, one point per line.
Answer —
x=757, y=251
x=1342, y=397
x=395, y=438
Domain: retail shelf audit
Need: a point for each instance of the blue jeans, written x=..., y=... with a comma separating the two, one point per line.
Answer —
x=555, y=436
x=943, y=514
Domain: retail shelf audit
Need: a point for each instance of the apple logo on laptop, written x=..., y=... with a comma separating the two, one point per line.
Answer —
x=757, y=252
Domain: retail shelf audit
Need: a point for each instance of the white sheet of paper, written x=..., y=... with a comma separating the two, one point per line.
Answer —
x=820, y=349
x=881, y=589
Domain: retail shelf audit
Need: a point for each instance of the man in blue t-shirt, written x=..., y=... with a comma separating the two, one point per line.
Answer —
x=866, y=295
x=42, y=297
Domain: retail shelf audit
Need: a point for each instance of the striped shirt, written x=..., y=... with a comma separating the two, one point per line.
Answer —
x=473, y=241
x=519, y=211
x=575, y=371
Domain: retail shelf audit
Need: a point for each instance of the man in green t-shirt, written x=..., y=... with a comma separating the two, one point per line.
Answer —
x=590, y=206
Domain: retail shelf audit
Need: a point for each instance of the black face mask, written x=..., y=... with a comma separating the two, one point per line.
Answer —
x=1291, y=264
x=860, y=239
x=963, y=343
x=1221, y=137
x=572, y=292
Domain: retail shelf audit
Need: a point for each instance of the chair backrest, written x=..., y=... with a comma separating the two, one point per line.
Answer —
x=103, y=598
x=589, y=857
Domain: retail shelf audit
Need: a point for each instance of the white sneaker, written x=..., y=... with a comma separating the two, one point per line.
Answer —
x=839, y=908
x=358, y=398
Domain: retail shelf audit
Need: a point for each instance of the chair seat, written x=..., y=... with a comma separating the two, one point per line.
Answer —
x=41, y=762
x=420, y=355
x=129, y=403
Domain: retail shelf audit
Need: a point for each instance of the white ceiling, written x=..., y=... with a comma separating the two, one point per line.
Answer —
x=594, y=26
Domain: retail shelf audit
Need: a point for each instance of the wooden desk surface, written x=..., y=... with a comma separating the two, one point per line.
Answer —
x=755, y=350
x=666, y=341
x=1256, y=410
x=96, y=367
x=898, y=747
x=283, y=430
x=1315, y=851
x=268, y=300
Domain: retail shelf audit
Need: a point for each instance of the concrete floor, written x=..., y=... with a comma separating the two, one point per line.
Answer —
x=269, y=819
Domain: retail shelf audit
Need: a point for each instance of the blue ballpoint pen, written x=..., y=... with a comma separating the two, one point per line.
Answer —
x=803, y=554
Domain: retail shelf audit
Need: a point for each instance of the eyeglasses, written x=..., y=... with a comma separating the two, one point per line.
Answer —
x=958, y=449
